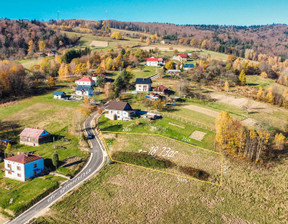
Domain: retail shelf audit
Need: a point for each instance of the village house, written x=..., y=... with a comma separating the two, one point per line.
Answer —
x=154, y=62
x=143, y=85
x=173, y=71
x=34, y=137
x=59, y=95
x=96, y=76
x=118, y=110
x=163, y=90
x=187, y=66
x=53, y=53
x=180, y=57
x=83, y=90
x=85, y=81
x=23, y=166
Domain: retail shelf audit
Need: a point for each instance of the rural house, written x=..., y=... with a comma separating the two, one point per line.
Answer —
x=180, y=57
x=83, y=90
x=163, y=90
x=23, y=166
x=187, y=66
x=59, y=95
x=85, y=81
x=34, y=137
x=118, y=110
x=154, y=61
x=143, y=85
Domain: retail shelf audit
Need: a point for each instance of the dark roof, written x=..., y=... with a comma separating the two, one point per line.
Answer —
x=119, y=105
x=83, y=87
x=56, y=93
x=24, y=158
x=143, y=81
x=188, y=65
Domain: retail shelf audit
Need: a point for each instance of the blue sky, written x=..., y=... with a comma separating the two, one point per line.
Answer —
x=223, y=12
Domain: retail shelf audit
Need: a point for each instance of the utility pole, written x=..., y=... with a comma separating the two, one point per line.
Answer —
x=58, y=15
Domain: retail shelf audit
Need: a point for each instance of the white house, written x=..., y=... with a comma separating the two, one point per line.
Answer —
x=119, y=111
x=85, y=81
x=180, y=57
x=59, y=95
x=143, y=85
x=84, y=90
x=23, y=166
x=154, y=61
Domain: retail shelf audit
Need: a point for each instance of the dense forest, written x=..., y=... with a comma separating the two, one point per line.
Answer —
x=268, y=39
x=19, y=38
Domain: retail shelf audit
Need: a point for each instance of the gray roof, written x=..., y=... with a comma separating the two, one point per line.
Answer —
x=83, y=87
x=143, y=81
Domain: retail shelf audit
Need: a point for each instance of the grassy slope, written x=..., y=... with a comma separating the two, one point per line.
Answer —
x=132, y=195
x=41, y=112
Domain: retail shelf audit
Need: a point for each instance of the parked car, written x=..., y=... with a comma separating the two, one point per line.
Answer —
x=90, y=136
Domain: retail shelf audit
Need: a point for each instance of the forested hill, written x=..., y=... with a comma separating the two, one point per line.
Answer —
x=20, y=37
x=268, y=39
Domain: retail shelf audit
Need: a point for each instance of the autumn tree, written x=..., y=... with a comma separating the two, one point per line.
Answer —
x=42, y=45
x=55, y=159
x=279, y=141
x=8, y=150
x=269, y=96
x=31, y=48
x=116, y=36
x=169, y=65
x=226, y=86
x=242, y=78
x=51, y=81
x=260, y=93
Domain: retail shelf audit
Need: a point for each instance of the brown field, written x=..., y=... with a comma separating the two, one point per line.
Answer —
x=187, y=155
x=125, y=194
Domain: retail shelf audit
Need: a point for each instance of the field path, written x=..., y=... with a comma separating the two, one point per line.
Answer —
x=202, y=110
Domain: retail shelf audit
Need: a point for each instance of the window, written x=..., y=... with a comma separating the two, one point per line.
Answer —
x=9, y=165
x=35, y=165
x=19, y=175
x=9, y=172
x=18, y=168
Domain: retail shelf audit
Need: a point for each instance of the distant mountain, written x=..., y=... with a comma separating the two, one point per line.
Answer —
x=267, y=39
x=15, y=36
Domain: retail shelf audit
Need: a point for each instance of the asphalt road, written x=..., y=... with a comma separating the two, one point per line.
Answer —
x=93, y=165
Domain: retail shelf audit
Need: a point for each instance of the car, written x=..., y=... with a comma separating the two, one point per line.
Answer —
x=90, y=136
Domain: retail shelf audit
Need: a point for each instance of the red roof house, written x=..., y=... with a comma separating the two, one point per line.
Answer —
x=154, y=61
x=24, y=158
x=85, y=81
x=34, y=137
x=182, y=55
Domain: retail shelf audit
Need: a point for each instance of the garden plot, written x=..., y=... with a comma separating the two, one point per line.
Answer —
x=198, y=135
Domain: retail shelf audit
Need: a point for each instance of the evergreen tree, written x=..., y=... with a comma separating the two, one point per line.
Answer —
x=55, y=159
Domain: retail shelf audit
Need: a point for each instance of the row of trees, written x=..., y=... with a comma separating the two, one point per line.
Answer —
x=255, y=145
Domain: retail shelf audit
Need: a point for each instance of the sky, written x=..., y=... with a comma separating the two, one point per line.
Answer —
x=221, y=12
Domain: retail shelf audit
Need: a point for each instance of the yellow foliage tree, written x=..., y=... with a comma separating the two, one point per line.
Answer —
x=222, y=124
x=260, y=93
x=51, y=81
x=31, y=46
x=280, y=141
x=226, y=86
x=269, y=96
x=242, y=78
x=42, y=45
x=116, y=36
x=169, y=65
x=263, y=75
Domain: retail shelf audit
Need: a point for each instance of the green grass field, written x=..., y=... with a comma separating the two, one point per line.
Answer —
x=50, y=114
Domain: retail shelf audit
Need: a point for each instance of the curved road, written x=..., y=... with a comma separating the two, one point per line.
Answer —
x=93, y=165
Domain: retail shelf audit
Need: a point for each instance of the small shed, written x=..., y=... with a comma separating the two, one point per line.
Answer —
x=59, y=95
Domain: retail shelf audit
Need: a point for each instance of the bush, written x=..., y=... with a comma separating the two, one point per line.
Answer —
x=199, y=174
x=142, y=160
